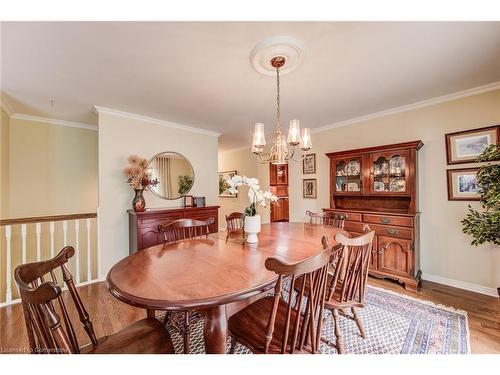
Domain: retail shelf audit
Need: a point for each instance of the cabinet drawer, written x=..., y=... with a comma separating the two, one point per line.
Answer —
x=351, y=216
x=392, y=231
x=153, y=221
x=200, y=214
x=355, y=226
x=388, y=220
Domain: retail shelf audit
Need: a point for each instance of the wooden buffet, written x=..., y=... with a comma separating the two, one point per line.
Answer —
x=143, y=226
x=378, y=189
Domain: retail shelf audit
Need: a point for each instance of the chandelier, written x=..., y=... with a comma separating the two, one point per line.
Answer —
x=291, y=147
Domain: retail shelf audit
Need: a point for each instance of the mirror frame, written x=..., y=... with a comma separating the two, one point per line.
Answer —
x=191, y=165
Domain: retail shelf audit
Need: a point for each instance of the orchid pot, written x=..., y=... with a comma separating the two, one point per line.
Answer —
x=256, y=197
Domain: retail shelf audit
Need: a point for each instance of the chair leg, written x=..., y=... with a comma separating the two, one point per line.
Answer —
x=338, y=332
x=227, y=236
x=186, y=332
x=233, y=345
x=165, y=319
x=359, y=323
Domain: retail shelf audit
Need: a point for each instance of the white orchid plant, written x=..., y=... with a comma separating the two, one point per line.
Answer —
x=255, y=195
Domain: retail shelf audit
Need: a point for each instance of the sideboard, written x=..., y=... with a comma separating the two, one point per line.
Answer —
x=143, y=226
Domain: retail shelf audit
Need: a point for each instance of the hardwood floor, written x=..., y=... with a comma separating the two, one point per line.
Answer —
x=109, y=315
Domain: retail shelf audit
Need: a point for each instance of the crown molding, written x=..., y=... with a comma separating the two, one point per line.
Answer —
x=51, y=121
x=156, y=121
x=425, y=103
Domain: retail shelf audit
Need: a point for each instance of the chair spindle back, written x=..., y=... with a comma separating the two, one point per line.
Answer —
x=327, y=218
x=234, y=222
x=184, y=229
x=46, y=332
x=351, y=268
x=302, y=329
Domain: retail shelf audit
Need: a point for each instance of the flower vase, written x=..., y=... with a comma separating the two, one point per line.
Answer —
x=252, y=227
x=138, y=203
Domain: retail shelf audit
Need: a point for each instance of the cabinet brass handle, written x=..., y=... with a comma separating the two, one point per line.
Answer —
x=392, y=231
x=385, y=220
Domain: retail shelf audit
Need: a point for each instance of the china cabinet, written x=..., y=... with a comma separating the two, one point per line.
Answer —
x=278, y=181
x=377, y=188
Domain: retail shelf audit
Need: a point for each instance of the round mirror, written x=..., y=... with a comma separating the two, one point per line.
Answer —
x=174, y=173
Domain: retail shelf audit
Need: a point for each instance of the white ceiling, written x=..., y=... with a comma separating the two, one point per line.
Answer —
x=199, y=73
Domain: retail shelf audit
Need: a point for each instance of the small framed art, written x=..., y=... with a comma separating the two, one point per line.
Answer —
x=223, y=185
x=463, y=185
x=466, y=146
x=188, y=201
x=309, y=164
x=198, y=201
x=309, y=188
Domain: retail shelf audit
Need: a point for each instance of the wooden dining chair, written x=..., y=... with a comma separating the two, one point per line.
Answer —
x=274, y=324
x=179, y=230
x=48, y=322
x=235, y=224
x=327, y=218
x=184, y=229
x=346, y=289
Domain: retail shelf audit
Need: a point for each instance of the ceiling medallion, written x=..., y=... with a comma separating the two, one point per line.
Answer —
x=295, y=145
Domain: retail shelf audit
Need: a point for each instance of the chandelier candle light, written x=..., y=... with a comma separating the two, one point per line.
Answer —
x=284, y=148
x=255, y=196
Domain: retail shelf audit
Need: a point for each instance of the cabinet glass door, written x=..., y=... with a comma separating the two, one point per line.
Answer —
x=389, y=174
x=348, y=176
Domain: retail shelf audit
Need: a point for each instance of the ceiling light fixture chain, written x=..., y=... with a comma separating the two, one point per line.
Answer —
x=283, y=149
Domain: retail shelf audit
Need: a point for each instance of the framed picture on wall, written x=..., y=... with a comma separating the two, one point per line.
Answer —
x=309, y=188
x=188, y=200
x=309, y=164
x=463, y=185
x=223, y=185
x=466, y=146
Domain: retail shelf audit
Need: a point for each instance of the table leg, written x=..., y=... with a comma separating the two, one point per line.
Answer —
x=150, y=313
x=215, y=330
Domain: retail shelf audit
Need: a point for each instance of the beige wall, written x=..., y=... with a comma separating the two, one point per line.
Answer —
x=4, y=164
x=121, y=136
x=246, y=165
x=53, y=169
x=445, y=250
x=47, y=169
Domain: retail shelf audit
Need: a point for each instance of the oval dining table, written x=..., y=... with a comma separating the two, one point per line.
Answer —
x=206, y=274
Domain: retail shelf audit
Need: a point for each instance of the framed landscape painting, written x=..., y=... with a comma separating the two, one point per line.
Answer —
x=223, y=185
x=466, y=146
x=309, y=188
x=463, y=185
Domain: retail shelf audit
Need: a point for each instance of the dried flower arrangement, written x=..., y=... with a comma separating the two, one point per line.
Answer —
x=138, y=176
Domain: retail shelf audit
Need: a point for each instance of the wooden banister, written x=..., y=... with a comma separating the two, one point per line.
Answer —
x=43, y=219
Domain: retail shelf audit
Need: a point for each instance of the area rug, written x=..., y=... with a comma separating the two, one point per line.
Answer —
x=394, y=324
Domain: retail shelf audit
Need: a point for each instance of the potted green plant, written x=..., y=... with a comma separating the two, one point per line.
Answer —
x=484, y=226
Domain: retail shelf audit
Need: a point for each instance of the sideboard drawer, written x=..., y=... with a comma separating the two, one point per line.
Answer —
x=388, y=220
x=357, y=227
x=392, y=231
x=351, y=216
x=154, y=220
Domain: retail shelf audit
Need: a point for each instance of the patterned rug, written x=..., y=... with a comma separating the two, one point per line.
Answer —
x=394, y=324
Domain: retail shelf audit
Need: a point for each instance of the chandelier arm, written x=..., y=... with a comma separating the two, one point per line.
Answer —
x=302, y=156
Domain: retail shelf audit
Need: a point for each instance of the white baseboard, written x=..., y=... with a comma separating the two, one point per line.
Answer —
x=460, y=284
